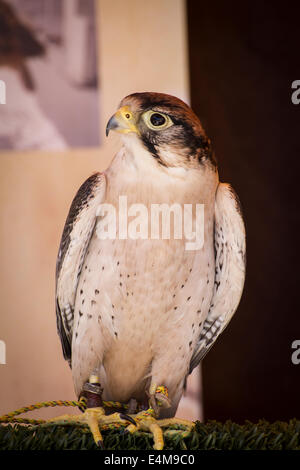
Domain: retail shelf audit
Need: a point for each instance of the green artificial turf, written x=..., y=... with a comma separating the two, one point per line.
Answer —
x=209, y=436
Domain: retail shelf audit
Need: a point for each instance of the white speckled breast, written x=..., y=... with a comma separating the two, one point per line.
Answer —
x=140, y=304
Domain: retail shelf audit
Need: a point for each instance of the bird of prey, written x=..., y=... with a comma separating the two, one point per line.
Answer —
x=137, y=314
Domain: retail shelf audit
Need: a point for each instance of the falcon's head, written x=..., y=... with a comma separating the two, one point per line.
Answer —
x=166, y=127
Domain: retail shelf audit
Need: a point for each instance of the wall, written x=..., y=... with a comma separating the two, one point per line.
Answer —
x=142, y=46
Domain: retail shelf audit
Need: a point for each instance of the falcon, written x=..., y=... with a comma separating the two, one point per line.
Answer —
x=136, y=315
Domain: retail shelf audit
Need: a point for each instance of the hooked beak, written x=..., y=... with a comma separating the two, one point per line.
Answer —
x=122, y=121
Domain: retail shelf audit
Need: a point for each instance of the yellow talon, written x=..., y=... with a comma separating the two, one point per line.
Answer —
x=95, y=418
x=157, y=436
x=146, y=420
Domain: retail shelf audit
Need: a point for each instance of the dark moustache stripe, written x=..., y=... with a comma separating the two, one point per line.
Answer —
x=152, y=149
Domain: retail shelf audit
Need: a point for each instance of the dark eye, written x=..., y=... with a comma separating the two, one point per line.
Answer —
x=157, y=119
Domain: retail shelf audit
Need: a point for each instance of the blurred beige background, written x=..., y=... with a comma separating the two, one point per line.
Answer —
x=142, y=47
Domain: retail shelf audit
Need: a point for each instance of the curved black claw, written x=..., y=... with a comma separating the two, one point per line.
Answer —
x=127, y=418
x=101, y=445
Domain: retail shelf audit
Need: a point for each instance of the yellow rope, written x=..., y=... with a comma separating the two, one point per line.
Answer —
x=81, y=404
x=115, y=404
x=149, y=414
x=10, y=417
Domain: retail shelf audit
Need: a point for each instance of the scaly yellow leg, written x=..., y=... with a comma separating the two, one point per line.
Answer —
x=94, y=418
x=146, y=420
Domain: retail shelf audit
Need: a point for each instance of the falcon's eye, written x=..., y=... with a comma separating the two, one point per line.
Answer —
x=157, y=121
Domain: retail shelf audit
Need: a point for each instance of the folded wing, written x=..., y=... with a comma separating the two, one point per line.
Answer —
x=230, y=263
x=75, y=239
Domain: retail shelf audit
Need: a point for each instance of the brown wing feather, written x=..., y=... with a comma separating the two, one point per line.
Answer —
x=230, y=259
x=79, y=226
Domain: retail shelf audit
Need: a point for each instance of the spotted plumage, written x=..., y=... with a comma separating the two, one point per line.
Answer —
x=145, y=311
x=76, y=235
